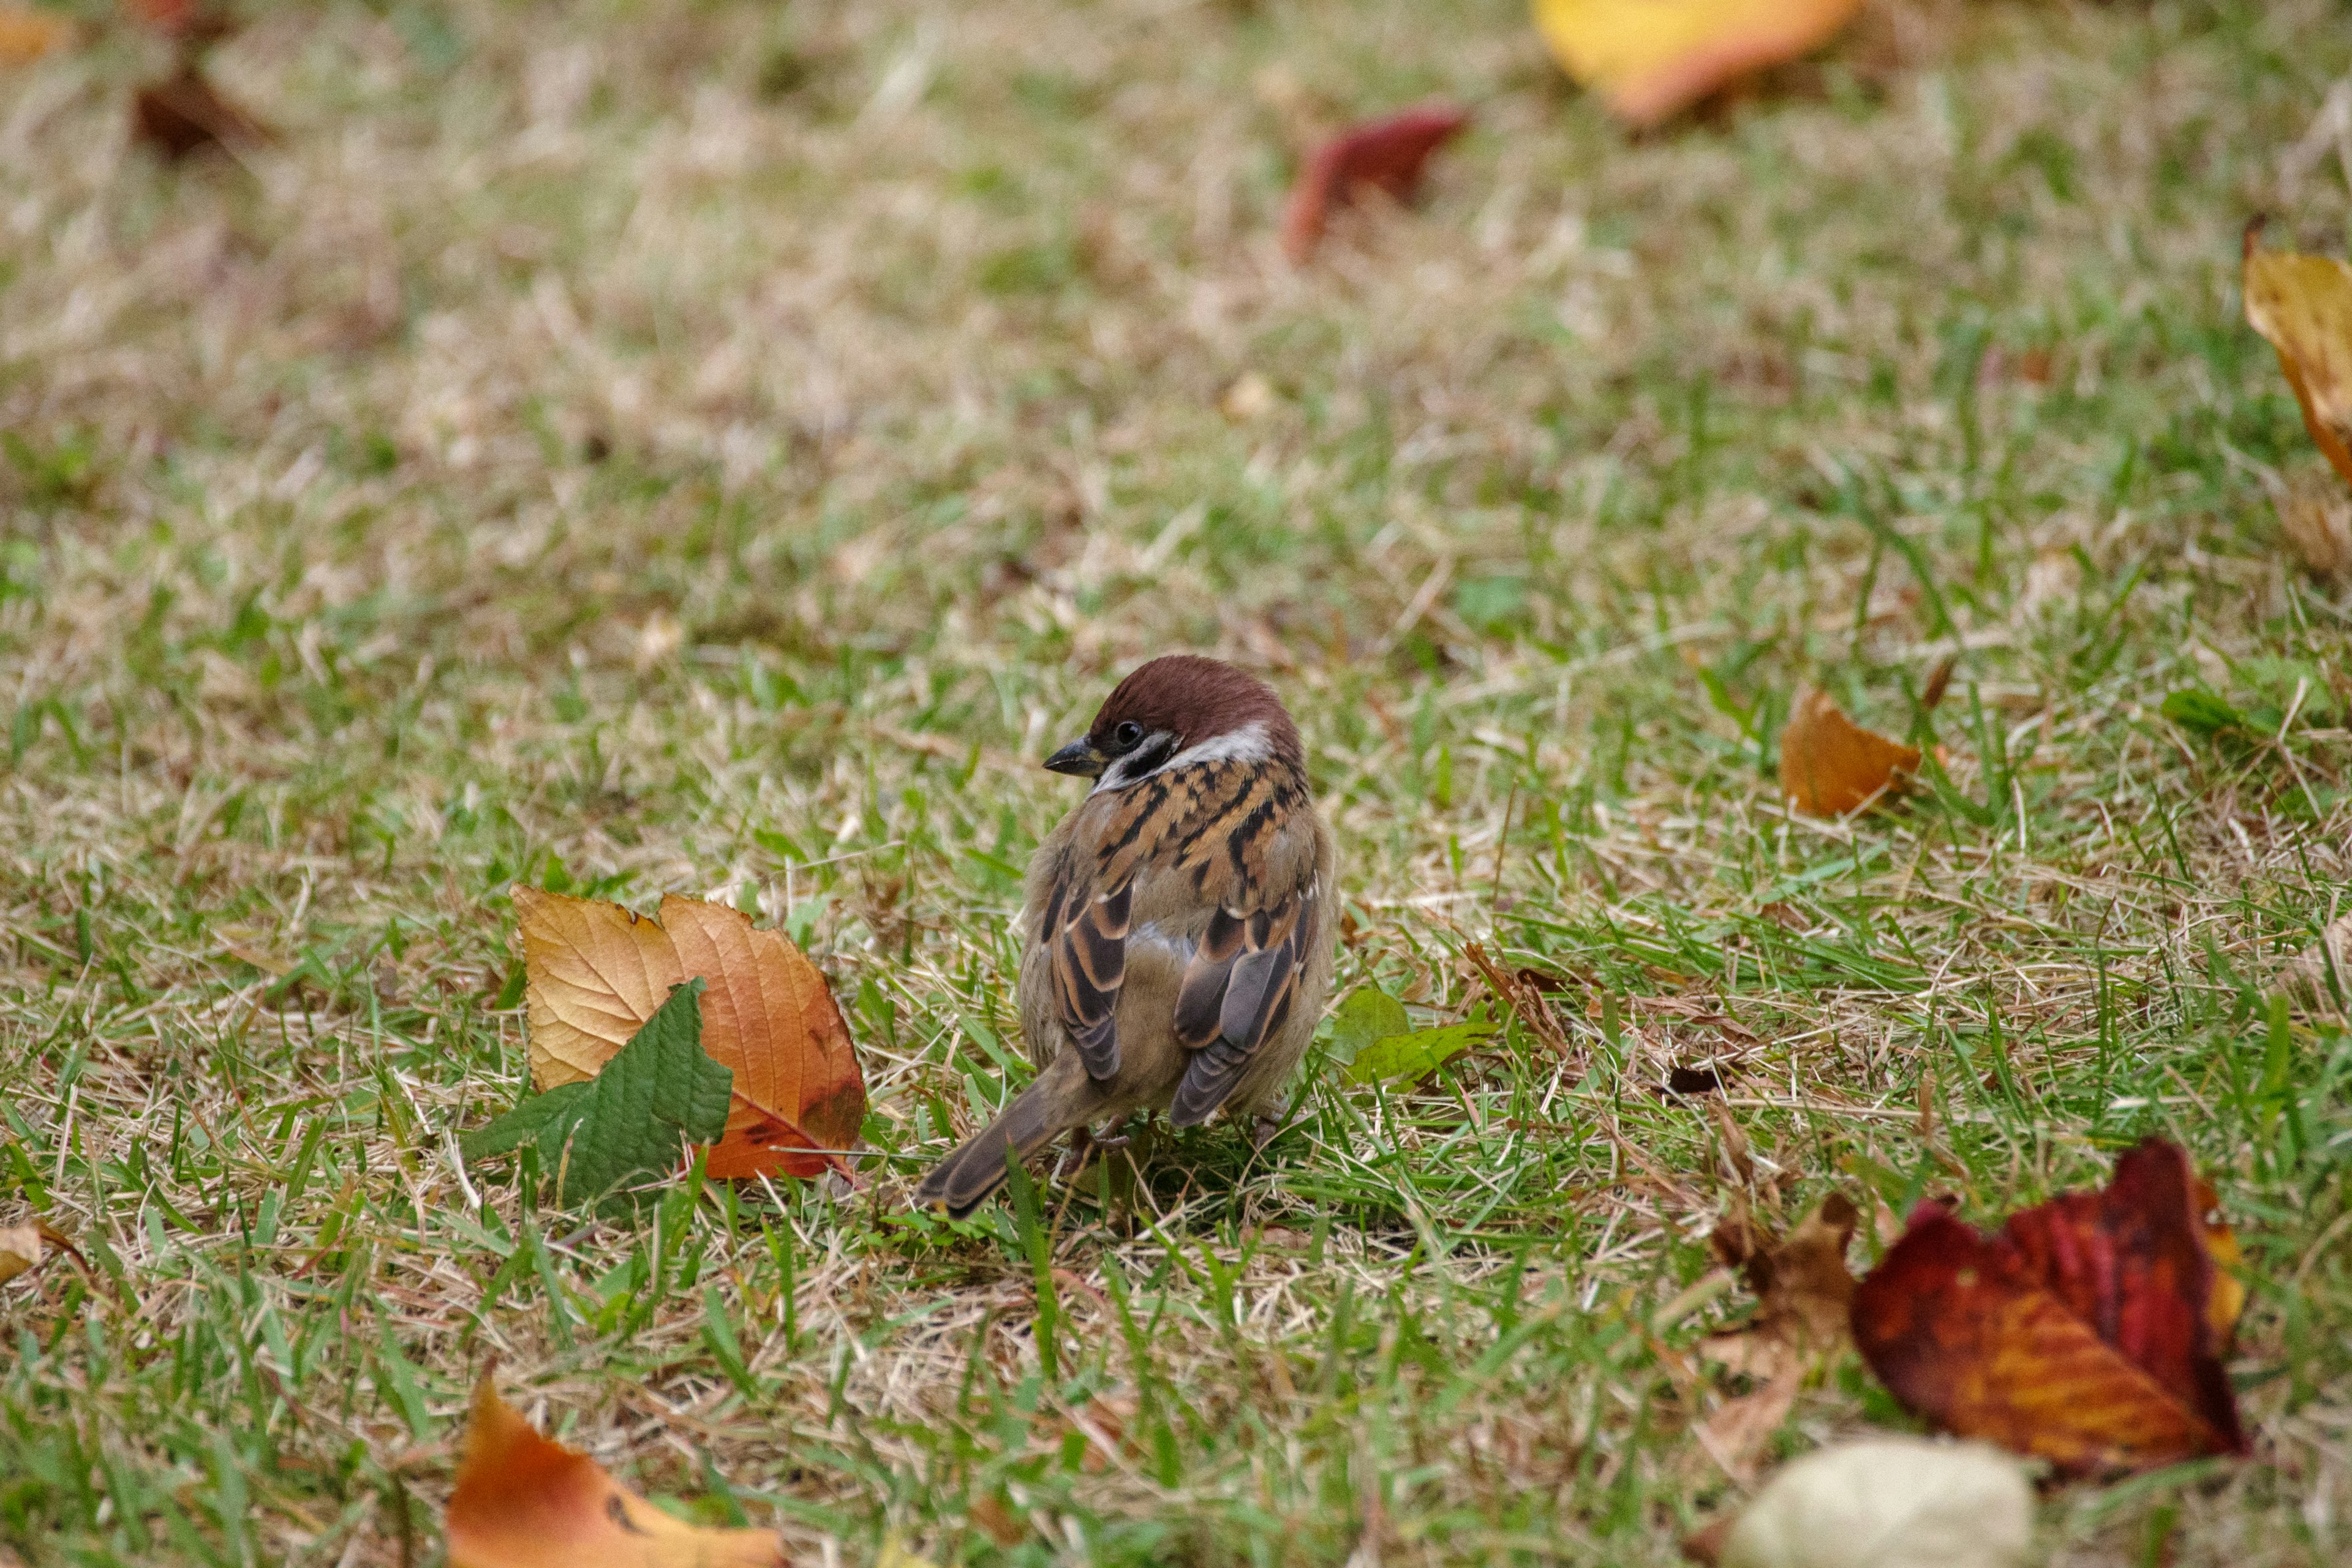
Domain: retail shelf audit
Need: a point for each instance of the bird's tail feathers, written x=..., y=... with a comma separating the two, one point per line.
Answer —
x=1038, y=1114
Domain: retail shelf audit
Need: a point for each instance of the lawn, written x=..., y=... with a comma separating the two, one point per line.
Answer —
x=703, y=446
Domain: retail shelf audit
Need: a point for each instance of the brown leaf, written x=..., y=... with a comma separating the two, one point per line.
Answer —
x=522, y=1501
x=1388, y=154
x=2303, y=304
x=26, y=35
x=184, y=113
x=1649, y=58
x=1801, y=1284
x=2088, y=1332
x=597, y=971
x=1004, y=1527
x=1735, y=1435
x=20, y=1250
x=1830, y=766
x=22, y=1247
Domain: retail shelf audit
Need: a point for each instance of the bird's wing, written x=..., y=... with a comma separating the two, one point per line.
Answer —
x=1085, y=933
x=1236, y=993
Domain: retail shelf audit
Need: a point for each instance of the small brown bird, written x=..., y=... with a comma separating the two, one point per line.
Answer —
x=1177, y=923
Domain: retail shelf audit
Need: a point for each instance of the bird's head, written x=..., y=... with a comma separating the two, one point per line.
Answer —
x=1176, y=710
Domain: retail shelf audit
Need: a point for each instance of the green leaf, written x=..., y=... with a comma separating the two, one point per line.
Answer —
x=1370, y=1015
x=633, y=1120
x=2201, y=712
x=525, y=1121
x=1403, y=1058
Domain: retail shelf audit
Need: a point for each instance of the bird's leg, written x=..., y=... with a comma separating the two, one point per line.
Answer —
x=1268, y=1123
x=1082, y=1144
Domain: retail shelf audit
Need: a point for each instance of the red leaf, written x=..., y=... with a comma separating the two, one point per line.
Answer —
x=1386, y=154
x=2088, y=1332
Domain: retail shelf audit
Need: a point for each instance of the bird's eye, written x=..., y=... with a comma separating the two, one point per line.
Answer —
x=1127, y=736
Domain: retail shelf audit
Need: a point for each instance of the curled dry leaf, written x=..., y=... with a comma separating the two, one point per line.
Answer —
x=184, y=113
x=1800, y=1281
x=1388, y=154
x=1882, y=1502
x=26, y=35
x=1649, y=58
x=1831, y=766
x=594, y=973
x=2303, y=304
x=522, y=1501
x=2089, y=1331
x=1802, y=1289
x=22, y=1247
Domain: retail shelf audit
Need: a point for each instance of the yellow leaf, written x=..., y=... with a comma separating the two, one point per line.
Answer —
x=26, y=35
x=522, y=1501
x=1651, y=57
x=2303, y=304
x=594, y=973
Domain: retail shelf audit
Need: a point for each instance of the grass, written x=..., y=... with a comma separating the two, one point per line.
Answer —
x=694, y=446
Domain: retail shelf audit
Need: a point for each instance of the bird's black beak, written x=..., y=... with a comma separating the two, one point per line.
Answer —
x=1079, y=757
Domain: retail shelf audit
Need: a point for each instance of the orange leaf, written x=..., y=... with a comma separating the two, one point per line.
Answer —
x=2088, y=1332
x=595, y=973
x=1831, y=766
x=1651, y=57
x=1387, y=154
x=522, y=1501
x=2303, y=304
x=26, y=35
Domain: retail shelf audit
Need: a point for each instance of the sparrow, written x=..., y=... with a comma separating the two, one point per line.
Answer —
x=1177, y=927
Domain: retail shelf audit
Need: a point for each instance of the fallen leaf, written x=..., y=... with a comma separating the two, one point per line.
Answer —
x=596, y=972
x=1802, y=1289
x=2303, y=304
x=1693, y=1080
x=1800, y=1281
x=1830, y=766
x=2089, y=1331
x=1648, y=59
x=2321, y=975
x=26, y=35
x=1735, y=1435
x=20, y=1250
x=634, y=1120
x=998, y=1520
x=2201, y=712
x=184, y=113
x=22, y=1247
x=1413, y=1055
x=522, y=1501
x=1388, y=154
x=1882, y=1502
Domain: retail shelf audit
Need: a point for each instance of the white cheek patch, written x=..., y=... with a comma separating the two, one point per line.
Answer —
x=1246, y=744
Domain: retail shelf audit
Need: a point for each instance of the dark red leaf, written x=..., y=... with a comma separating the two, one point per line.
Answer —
x=1387, y=154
